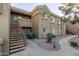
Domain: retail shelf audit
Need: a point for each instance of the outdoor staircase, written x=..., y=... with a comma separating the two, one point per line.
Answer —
x=17, y=38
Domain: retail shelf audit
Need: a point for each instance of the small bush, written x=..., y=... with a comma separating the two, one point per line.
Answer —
x=49, y=37
x=73, y=44
x=31, y=35
x=73, y=22
x=53, y=36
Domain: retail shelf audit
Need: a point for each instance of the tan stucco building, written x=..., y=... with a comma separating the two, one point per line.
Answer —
x=44, y=21
x=40, y=21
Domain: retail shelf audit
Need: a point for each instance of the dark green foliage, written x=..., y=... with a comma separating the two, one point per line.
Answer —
x=73, y=22
x=53, y=36
x=49, y=37
x=65, y=20
x=31, y=35
x=73, y=44
x=77, y=19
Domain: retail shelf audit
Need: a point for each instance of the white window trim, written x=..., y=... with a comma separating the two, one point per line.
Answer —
x=59, y=22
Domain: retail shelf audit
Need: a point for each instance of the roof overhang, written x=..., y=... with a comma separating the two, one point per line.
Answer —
x=21, y=11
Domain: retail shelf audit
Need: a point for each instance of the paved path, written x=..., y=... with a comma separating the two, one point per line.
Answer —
x=34, y=50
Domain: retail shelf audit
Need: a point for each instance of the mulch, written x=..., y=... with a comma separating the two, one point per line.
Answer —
x=54, y=45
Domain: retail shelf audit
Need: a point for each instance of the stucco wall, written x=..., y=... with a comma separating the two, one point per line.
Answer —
x=73, y=28
x=35, y=25
x=43, y=24
x=4, y=27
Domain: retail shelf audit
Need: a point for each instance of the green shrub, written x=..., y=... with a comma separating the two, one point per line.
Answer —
x=73, y=22
x=73, y=44
x=30, y=35
x=49, y=37
x=53, y=36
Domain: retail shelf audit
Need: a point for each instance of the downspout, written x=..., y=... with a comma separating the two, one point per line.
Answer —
x=61, y=26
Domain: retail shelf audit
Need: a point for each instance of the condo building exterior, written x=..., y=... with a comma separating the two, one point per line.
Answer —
x=47, y=22
x=15, y=23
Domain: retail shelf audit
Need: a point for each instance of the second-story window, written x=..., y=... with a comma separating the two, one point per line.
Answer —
x=59, y=22
x=45, y=15
x=52, y=20
x=19, y=17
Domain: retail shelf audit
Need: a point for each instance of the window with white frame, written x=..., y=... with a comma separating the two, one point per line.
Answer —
x=45, y=15
x=52, y=20
x=59, y=21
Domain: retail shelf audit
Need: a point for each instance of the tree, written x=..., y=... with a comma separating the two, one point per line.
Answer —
x=65, y=9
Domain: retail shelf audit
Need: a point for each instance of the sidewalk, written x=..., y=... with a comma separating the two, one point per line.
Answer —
x=34, y=50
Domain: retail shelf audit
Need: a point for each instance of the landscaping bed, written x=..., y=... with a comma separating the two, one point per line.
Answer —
x=54, y=45
x=74, y=42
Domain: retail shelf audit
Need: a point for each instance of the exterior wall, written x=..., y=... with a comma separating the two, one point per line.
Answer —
x=43, y=24
x=35, y=23
x=4, y=27
x=73, y=28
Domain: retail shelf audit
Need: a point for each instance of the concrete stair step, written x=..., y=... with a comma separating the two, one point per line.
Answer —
x=13, y=37
x=16, y=41
x=16, y=47
x=14, y=44
x=17, y=50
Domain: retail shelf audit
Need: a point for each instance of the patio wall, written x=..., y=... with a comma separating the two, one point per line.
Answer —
x=73, y=28
x=4, y=27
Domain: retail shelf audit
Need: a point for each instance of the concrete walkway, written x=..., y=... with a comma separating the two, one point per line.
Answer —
x=34, y=50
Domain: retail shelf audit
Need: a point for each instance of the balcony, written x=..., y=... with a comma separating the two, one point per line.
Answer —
x=25, y=23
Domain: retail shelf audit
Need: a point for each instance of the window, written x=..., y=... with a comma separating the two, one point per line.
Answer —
x=19, y=17
x=53, y=31
x=44, y=30
x=13, y=17
x=59, y=22
x=45, y=15
x=52, y=20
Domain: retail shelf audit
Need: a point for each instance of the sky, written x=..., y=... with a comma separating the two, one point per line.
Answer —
x=30, y=6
